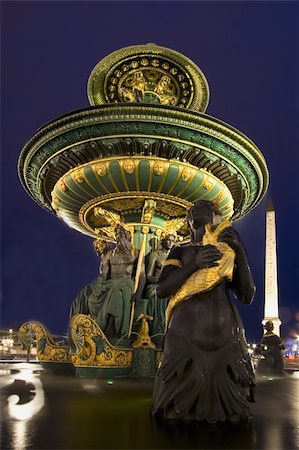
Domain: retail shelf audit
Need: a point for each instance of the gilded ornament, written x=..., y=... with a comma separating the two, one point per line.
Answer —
x=100, y=169
x=159, y=168
x=100, y=245
x=155, y=63
x=62, y=186
x=187, y=173
x=93, y=348
x=55, y=197
x=207, y=184
x=172, y=262
x=148, y=211
x=174, y=225
x=110, y=217
x=47, y=349
x=128, y=166
x=78, y=175
x=221, y=195
x=143, y=339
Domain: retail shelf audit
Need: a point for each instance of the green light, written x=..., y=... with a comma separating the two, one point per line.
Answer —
x=270, y=379
x=110, y=381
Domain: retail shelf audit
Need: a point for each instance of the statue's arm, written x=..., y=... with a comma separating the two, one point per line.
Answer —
x=106, y=266
x=151, y=269
x=183, y=262
x=174, y=274
x=242, y=284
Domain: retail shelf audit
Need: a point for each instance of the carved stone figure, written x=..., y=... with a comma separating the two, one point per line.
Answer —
x=271, y=348
x=111, y=306
x=205, y=371
x=157, y=306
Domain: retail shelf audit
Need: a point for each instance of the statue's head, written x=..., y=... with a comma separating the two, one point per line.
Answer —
x=201, y=213
x=167, y=242
x=122, y=235
x=269, y=325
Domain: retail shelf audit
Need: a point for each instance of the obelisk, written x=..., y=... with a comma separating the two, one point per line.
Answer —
x=271, y=288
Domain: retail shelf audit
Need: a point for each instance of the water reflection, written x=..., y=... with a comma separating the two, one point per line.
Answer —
x=22, y=398
x=42, y=411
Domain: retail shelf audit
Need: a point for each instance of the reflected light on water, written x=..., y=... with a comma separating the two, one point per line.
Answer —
x=22, y=413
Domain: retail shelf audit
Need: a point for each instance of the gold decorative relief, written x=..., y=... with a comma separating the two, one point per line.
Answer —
x=78, y=175
x=148, y=211
x=100, y=169
x=62, y=186
x=110, y=217
x=159, y=168
x=128, y=166
x=187, y=173
x=208, y=183
x=92, y=346
x=47, y=349
x=143, y=339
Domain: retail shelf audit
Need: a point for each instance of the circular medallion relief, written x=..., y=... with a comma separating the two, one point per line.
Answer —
x=148, y=74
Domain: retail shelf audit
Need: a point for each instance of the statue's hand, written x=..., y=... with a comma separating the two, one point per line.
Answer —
x=231, y=238
x=207, y=256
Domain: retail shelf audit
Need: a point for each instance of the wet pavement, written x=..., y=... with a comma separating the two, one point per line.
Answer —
x=43, y=411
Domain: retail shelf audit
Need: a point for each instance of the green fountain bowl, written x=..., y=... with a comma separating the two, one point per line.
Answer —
x=97, y=155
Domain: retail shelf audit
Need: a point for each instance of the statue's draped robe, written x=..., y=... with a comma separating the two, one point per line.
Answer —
x=113, y=299
x=101, y=299
x=156, y=308
x=206, y=372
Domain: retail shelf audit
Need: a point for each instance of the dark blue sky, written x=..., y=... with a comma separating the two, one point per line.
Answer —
x=249, y=53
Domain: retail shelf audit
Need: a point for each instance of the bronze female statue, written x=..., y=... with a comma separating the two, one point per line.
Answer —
x=205, y=372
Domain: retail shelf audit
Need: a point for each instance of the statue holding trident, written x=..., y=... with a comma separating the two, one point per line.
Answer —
x=205, y=372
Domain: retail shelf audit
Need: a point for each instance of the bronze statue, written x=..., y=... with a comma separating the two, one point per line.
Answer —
x=81, y=303
x=111, y=307
x=205, y=372
x=271, y=348
x=157, y=306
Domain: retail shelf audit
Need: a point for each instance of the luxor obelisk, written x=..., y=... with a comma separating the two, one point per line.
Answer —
x=271, y=287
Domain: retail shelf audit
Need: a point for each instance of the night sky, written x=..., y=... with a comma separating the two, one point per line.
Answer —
x=249, y=53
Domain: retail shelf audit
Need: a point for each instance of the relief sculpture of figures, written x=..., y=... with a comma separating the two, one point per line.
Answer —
x=205, y=372
x=157, y=306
